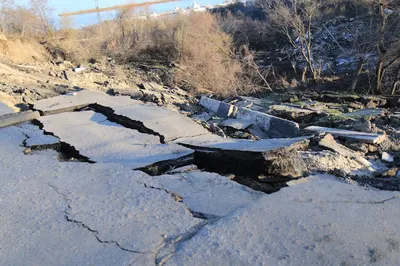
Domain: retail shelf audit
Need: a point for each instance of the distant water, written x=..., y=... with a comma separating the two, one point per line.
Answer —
x=90, y=19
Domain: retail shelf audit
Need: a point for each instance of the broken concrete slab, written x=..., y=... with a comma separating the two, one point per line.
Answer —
x=257, y=132
x=387, y=157
x=38, y=138
x=209, y=194
x=348, y=134
x=273, y=126
x=103, y=141
x=246, y=145
x=236, y=123
x=163, y=122
x=4, y=109
x=34, y=214
x=171, y=125
x=221, y=109
x=73, y=102
x=276, y=159
x=329, y=142
x=344, y=216
x=327, y=161
x=365, y=113
x=291, y=112
x=16, y=118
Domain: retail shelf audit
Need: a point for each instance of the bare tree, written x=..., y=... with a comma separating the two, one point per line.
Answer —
x=388, y=50
x=295, y=19
x=4, y=6
x=43, y=11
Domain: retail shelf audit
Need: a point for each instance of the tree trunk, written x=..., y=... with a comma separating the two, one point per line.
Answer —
x=379, y=76
x=396, y=82
x=357, y=76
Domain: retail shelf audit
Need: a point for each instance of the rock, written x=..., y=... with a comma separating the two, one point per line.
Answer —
x=221, y=109
x=216, y=129
x=365, y=126
x=291, y=112
x=348, y=134
x=334, y=163
x=329, y=142
x=152, y=86
x=69, y=75
x=387, y=157
x=389, y=173
x=134, y=93
x=357, y=146
x=273, y=126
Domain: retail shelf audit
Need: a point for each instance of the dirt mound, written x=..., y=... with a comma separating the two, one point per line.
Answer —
x=22, y=51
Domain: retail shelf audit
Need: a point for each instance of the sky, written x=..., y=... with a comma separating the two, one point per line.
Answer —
x=61, y=6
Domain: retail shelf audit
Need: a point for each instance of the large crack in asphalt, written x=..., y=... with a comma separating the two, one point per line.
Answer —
x=125, y=121
x=66, y=150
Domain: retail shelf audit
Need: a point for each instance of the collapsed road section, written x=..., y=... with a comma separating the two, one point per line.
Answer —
x=163, y=189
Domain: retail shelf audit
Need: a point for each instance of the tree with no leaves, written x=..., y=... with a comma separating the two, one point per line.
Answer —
x=295, y=20
x=41, y=9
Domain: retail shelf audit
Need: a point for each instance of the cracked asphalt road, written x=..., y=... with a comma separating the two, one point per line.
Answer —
x=76, y=213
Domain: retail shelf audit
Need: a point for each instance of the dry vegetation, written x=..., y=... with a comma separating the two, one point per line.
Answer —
x=213, y=52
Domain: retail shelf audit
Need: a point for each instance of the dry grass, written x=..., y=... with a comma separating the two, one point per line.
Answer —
x=204, y=54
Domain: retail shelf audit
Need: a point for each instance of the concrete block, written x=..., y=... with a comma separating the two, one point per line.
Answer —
x=273, y=126
x=221, y=109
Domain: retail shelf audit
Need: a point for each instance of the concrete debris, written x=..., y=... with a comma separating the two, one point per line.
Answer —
x=291, y=112
x=348, y=134
x=236, y=123
x=257, y=132
x=276, y=159
x=367, y=113
x=221, y=109
x=387, y=157
x=365, y=126
x=334, y=163
x=16, y=118
x=4, y=109
x=329, y=142
x=145, y=117
x=79, y=69
x=271, y=125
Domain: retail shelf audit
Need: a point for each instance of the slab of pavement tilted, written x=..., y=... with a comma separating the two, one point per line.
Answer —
x=69, y=213
x=170, y=125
